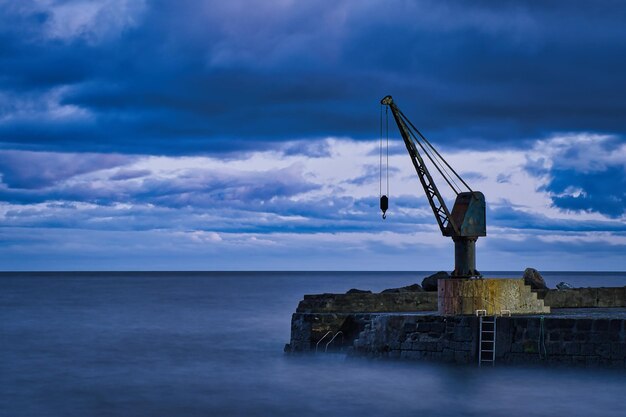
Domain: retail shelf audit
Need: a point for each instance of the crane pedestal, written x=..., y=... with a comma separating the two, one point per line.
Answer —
x=492, y=296
x=465, y=257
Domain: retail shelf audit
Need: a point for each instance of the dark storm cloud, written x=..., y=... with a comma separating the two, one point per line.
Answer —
x=127, y=174
x=602, y=191
x=188, y=76
x=36, y=170
x=586, y=173
x=509, y=217
x=38, y=177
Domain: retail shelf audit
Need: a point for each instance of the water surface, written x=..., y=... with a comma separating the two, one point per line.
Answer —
x=210, y=344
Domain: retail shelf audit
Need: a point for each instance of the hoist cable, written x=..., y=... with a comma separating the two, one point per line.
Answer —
x=441, y=158
x=446, y=175
x=447, y=172
x=442, y=170
x=429, y=156
x=457, y=190
x=380, y=168
x=387, y=123
x=450, y=181
x=435, y=150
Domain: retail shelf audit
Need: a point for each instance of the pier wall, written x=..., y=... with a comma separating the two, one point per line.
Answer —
x=406, y=325
x=369, y=302
x=601, y=297
x=519, y=340
x=309, y=329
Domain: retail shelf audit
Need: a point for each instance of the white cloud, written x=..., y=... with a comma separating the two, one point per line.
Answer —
x=44, y=106
x=91, y=20
x=175, y=199
x=583, y=152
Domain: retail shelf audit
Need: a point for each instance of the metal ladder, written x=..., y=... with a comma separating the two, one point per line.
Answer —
x=331, y=340
x=487, y=340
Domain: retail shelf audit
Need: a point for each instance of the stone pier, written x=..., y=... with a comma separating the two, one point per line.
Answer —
x=587, y=327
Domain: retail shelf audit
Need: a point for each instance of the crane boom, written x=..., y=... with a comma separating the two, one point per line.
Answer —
x=437, y=203
x=467, y=221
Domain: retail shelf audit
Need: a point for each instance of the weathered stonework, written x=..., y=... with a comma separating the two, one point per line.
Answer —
x=466, y=296
x=374, y=325
x=519, y=340
x=436, y=338
x=368, y=303
x=309, y=329
x=599, y=297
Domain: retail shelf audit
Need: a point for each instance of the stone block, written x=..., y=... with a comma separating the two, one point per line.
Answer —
x=519, y=322
x=468, y=305
x=571, y=348
x=603, y=350
x=411, y=355
x=408, y=327
x=587, y=349
x=584, y=324
x=462, y=334
x=552, y=323
x=530, y=346
x=447, y=355
x=601, y=325
x=593, y=360
x=438, y=327
x=394, y=354
x=600, y=337
x=532, y=333
x=461, y=357
x=424, y=327
x=556, y=299
x=554, y=335
x=577, y=298
x=620, y=297
x=618, y=350
x=605, y=297
x=554, y=348
x=615, y=325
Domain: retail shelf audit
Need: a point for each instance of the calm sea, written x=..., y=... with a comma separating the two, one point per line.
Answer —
x=210, y=344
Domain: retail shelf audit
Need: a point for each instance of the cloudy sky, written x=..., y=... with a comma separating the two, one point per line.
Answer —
x=221, y=135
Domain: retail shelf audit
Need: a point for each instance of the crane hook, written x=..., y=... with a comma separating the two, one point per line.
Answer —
x=384, y=205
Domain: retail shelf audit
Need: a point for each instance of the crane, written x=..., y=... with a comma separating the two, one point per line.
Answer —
x=467, y=221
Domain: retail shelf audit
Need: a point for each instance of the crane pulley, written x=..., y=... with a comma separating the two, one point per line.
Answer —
x=467, y=221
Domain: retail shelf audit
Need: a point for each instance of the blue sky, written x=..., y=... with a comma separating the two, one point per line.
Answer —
x=238, y=135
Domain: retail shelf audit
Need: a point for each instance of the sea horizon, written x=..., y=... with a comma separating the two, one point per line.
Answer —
x=291, y=271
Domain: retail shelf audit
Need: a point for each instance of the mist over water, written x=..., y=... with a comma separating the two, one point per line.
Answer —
x=210, y=344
